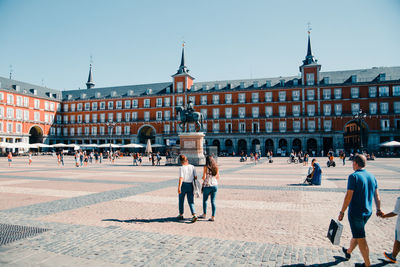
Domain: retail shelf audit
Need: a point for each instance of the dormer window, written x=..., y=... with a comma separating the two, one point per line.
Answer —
x=205, y=87
x=353, y=78
x=382, y=77
x=282, y=82
x=268, y=84
x=83, y=96
x=295, y=82
x=255, y=84
x=98, y=95
x=149, y=91
x=216, y=86
x=130, y=93
x=113, y=93
x=241, y=85
x=326, y=80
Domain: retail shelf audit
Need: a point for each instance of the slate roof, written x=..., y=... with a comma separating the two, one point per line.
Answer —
x=27, y=89
x=336, y=78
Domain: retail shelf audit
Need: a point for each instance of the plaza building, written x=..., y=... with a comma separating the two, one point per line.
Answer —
x=314, y=111
x=27, y=112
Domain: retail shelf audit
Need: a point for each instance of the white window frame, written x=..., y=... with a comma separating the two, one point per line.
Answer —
x=255, y=112
x=296, y=95
x=242, y=98
x=373, y=108
x=269, y=112
x=338, y=109
x=268, y=97
x=338, y=93
x=282, y=96
x=372, y=90
x=228, y=98
x=282, y=111
x=282, y=126
x=355, y=92
x=255, y=97
x=311, y=94
x=384, y=107
x=242, y=112
x=383, y=91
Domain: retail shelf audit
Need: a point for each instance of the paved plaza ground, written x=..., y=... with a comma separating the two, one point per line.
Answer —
x=122, y=215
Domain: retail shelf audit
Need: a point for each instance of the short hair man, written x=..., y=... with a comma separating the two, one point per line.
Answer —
x=361, y=188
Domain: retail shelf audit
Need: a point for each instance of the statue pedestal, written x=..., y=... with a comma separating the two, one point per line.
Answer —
x=192, y=147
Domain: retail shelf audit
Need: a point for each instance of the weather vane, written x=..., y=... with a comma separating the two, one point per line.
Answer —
x=309, y=27
x=11, y=70
x=91, y=59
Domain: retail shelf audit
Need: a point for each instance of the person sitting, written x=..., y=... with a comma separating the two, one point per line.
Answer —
x=316, y=173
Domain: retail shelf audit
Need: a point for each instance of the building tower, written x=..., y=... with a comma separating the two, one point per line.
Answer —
x=310, y=68
x=182, y=81
x=90, y=83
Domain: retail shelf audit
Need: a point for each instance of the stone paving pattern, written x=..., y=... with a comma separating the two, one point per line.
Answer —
x=123, y=215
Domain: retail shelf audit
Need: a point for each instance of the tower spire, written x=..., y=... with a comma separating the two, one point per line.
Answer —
x=90, y=84
x=182, y=68
x=309, y=57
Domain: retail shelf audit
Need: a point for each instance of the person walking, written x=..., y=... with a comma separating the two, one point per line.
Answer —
x=361, y=189
x=29, y=158
x=101, y=157
x=9, y=158
x=187, y=173
x=210, y=186
x=62, y=158
x=396, y=246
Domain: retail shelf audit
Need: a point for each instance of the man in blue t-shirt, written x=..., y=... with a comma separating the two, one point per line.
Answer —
x=361, y=189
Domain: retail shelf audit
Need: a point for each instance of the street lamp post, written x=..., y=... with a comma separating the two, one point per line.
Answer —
x=359, y=117
x=110, y=126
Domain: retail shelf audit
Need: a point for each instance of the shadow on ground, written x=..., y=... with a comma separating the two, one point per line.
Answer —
x=155, y=220
x=337, y=261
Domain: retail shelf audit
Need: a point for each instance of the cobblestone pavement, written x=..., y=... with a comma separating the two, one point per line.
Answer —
x=123, y=215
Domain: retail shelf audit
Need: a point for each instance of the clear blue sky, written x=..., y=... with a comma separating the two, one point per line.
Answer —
x=136, y=42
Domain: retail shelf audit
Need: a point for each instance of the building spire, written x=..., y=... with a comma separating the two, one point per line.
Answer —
x=90, y=83
x=182, y=68
x=309, y=57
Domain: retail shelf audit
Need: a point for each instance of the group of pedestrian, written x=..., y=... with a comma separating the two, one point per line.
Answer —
x=82, y=158
x=362, y=189
x=155, y=159
x=187, y=185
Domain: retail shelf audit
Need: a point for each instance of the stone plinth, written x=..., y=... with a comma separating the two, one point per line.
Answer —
x=192, y=147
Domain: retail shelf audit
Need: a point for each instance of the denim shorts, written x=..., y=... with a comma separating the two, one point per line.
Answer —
x=357, y=225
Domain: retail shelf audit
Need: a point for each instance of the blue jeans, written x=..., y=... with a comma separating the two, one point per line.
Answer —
x=186, y=189
x=212, y=191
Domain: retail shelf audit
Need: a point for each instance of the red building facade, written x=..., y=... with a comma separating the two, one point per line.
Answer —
x=314, y=111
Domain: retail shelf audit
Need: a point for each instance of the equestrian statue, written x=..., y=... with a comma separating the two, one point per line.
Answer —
x=189, y=115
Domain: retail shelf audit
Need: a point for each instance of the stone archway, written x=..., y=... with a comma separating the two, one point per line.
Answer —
x=296, y=145
x=147, y=132
x=269, y=145
x=217, y=144
x=353, y=135
x=229, y=146
x=312, y=146
x=35, y=135
x=242, y=146
x=255, y=145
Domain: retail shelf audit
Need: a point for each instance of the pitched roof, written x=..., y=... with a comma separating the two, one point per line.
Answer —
x=28, y=89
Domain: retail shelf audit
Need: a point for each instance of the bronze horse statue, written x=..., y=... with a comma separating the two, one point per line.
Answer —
x=188, y=116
